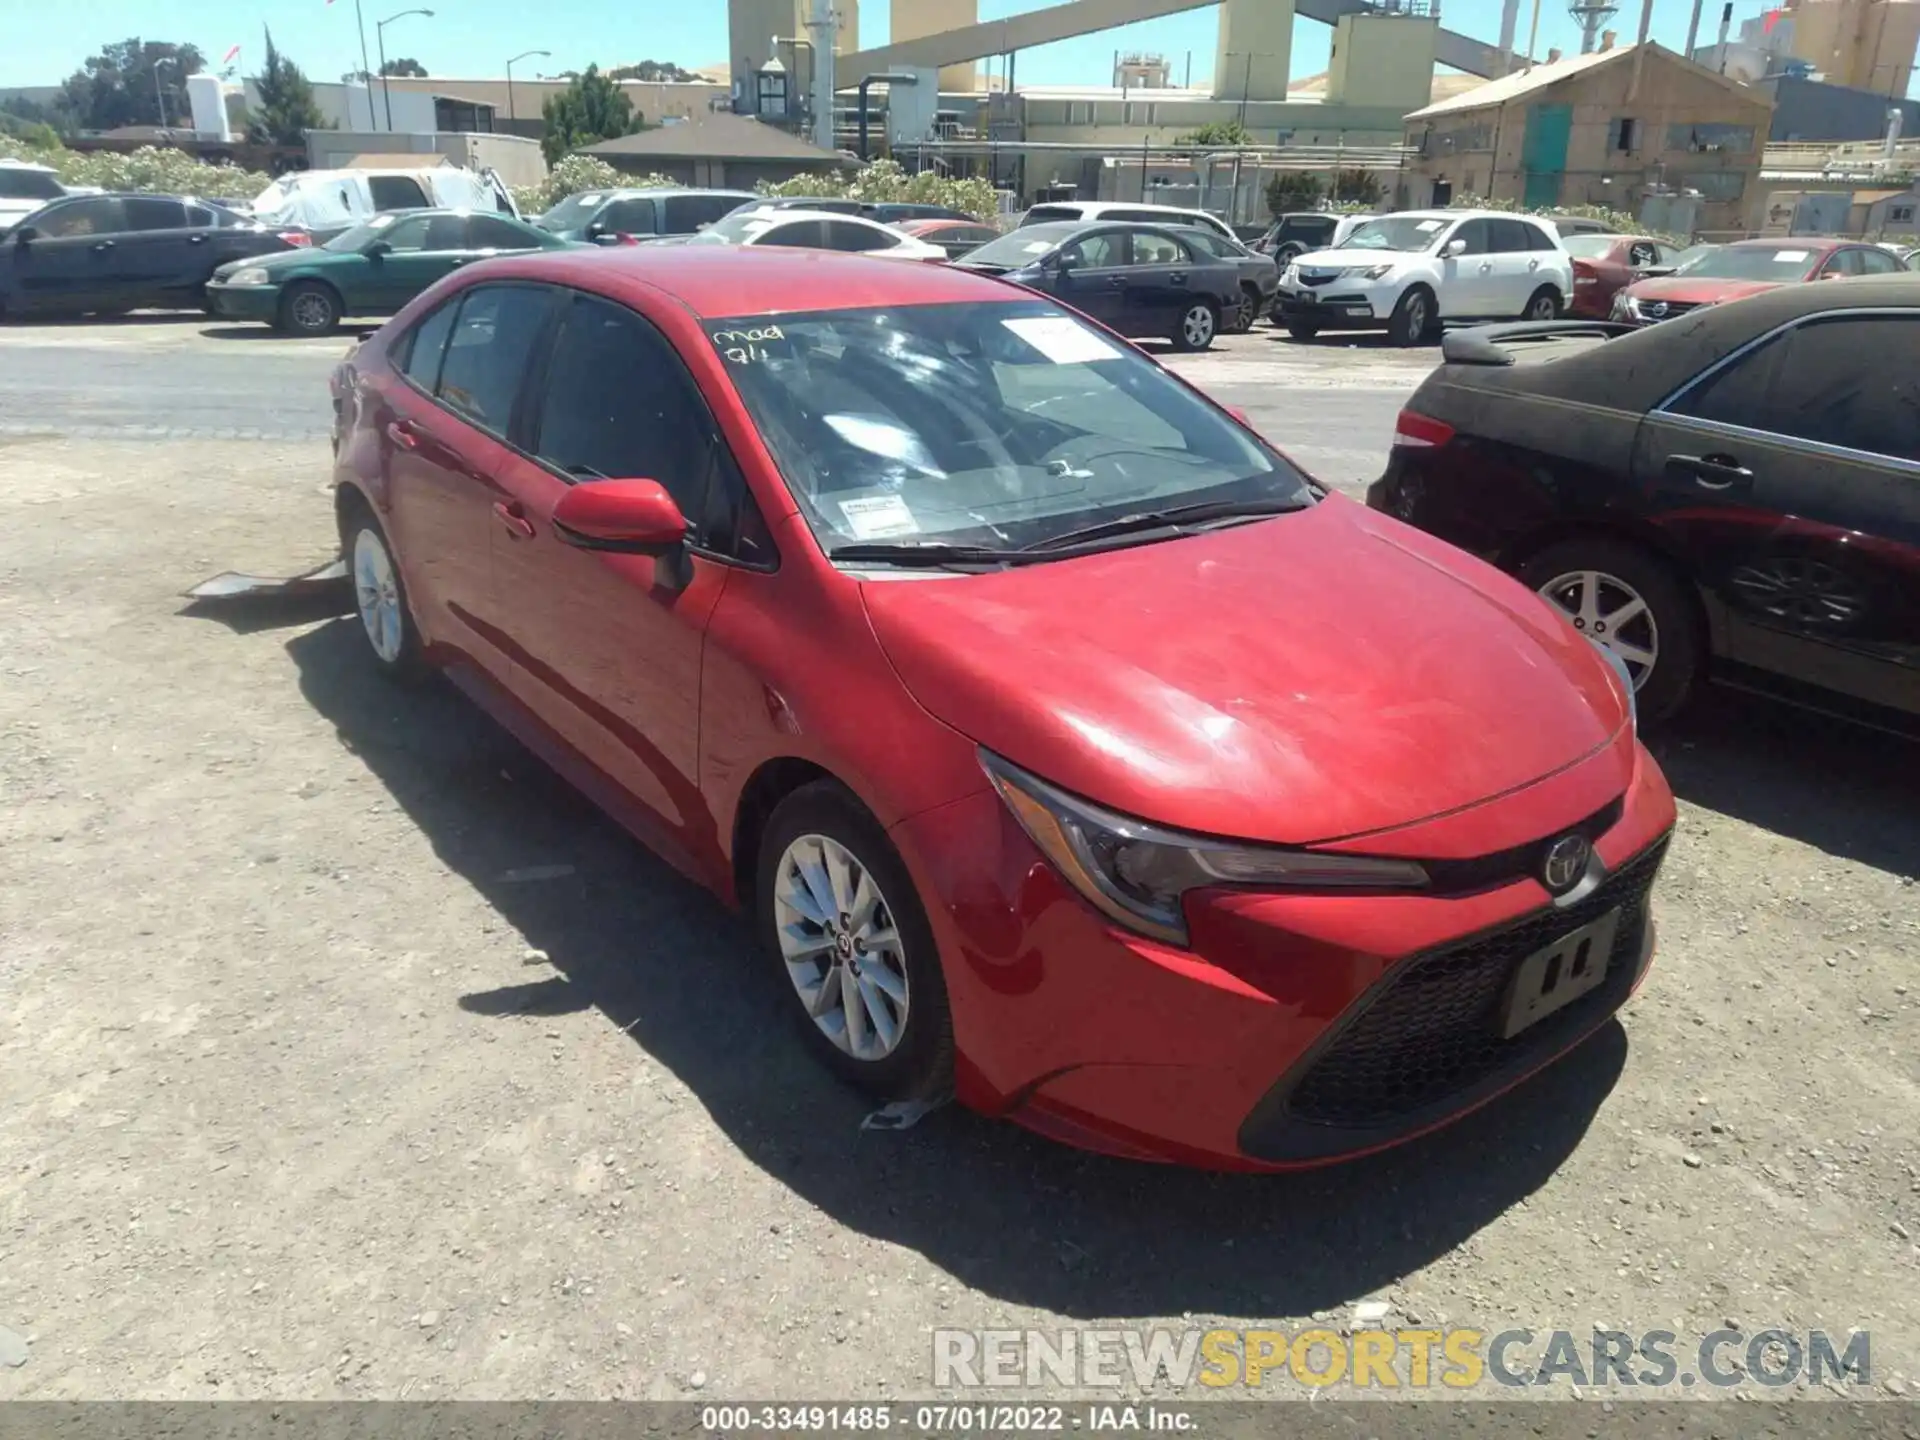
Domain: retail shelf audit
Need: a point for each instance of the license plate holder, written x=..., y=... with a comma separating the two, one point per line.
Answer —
x=1556, y=975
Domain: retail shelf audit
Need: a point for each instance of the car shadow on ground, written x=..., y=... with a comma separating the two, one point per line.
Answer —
x=1817, y=780
x=260, y=330
x=1016, y=1217
x=1340, y=340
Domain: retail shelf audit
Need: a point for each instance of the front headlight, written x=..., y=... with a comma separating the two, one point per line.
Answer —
x=1626, y=307
x=252, y=275
x=1619, y=668
x=1138, y=874
x=1292, y=275
x=1373, y=272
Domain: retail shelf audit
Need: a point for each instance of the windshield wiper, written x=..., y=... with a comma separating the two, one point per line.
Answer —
x=1172, y=518
x=932, y=556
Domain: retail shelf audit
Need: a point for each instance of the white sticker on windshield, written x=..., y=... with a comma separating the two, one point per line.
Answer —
x=586, y=200
x=876, y=517
x=1789, y=255
x=1427, y=227
x=1062, y=340
x=1034, y=247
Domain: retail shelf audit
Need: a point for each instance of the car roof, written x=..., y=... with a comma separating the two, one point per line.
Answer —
x=1795, y=242
x=1635, y=372
x=721, y=281
x=786, y=215
x=616, y=191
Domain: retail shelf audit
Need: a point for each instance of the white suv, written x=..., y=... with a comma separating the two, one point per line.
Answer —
x=1407, y=273
x=1121, y=210
x=24, y=188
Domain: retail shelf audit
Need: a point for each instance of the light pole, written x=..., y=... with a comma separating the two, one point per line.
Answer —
x=159, y=93
x=380, y=39
x=523, y=55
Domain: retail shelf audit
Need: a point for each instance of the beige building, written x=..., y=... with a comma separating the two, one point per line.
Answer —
x=1863, y=44
x=1608, y=128
x=912, y=19
x=655, y=99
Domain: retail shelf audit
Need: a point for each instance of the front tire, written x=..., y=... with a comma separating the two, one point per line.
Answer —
x=845, y=932
x=309, y=308
x=1303, y=329
x=1413, y=317
x=380, y=598
x=1199, y=323
x=1627, y=599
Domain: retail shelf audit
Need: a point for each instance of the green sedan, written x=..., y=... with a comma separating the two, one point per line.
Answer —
x=372, y=269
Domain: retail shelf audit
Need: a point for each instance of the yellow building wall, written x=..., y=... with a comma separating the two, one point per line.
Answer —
x=912, y=19
x=751, y=26
x=1255, y=51
x=1382, y=60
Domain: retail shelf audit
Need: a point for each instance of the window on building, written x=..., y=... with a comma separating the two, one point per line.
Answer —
x=1620, y=134
x=1732, y=139
x=1900, y=214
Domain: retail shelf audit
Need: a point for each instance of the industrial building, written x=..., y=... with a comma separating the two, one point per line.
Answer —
x=1617, y=127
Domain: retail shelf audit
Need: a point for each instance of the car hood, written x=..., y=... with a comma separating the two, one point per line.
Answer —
x=1307, y=678
x=1341, y=259
x=1686, y=290
x=275, y=261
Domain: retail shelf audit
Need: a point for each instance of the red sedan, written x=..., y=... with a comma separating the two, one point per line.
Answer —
x=1747, y=267
x=1072, y=751
x=1604, y=265
x=956, y=237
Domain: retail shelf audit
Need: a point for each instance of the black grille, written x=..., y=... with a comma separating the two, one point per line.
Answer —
x=1432, y=1028
x=1666, y=309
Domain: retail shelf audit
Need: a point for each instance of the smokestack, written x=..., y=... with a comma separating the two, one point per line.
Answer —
x=1726, y=25
x=1894, y=119
x=1509, y=22
x=1693, y=29
x=1607, y=37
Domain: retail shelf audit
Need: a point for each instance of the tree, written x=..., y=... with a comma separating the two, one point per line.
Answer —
x=118, y=86
x=405, y=67
x=287, y=108
x=1292, y=190
x=591, y=108
x=652, y=70
x=1217, y=132
x=1362, y=186
x=32, y=123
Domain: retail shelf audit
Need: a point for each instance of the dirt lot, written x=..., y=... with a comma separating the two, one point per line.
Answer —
x=311, y=1091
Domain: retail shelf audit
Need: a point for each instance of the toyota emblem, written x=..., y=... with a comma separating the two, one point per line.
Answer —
x=1566, y=862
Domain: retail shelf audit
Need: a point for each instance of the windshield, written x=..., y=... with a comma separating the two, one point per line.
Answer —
x=1753, y=262
x=1395, y=232
x=1588, y=247
x=999, y=425
x=573, y=212
x=1024, y=246
x=359, y=236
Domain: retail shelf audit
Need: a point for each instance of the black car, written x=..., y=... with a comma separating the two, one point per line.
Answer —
x=1298, y=234
x=622, y=216
x=106, y=254
x=1259, y=276
x=1139, y=280
x=1735, y=495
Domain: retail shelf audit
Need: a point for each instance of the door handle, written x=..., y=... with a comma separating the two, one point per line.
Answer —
x=1533, y=264
x=401, y=434
x=513, y=515
x=1486, y=267
x=102, y=245
x=1178, y=277
x=461, y=261
x=1118, y=282
x=196, y=239
x=1711, y=472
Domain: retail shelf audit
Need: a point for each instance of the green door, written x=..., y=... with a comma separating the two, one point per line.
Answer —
x=1543, y=153
x=421, y=248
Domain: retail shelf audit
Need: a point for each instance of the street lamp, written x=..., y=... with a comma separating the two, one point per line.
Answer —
x=159, y=93
x=523, y=55
x=380, y=39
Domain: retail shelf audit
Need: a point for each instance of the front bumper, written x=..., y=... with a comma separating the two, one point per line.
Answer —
x=1334, y=303
x=243, y=302
x=1297, y=1029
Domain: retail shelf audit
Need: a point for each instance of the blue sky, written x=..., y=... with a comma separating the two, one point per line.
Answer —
x=472, y=38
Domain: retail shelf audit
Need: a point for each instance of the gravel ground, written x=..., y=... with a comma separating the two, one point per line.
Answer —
x=314, y=1088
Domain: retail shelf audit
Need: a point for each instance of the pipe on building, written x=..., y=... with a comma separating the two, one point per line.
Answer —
x=1509, y=22
x=892, y=77
x=1693, y=28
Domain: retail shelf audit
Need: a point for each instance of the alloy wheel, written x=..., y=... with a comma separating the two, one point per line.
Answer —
x=1542, y=308
x=1197, y=326
x=1609, y=612
x=376, y=593
x=842, y=949
x=1806, y=593
x=312, y=311
x=1416, y=315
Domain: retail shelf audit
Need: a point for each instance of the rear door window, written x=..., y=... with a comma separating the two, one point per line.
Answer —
x=1150, y=247
x=486, y=355
x=153, y=212
x=844, y=235
x=797, y=234
x=487, y=232
x=1098, y=252
x=446, y=232
x=98, y=216
x=396, y=192
x=1878, y=262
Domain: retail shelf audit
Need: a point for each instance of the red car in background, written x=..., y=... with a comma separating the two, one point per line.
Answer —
x=1747, y=267
x=956, y=237
x=1604, y=265
x=1072, y=751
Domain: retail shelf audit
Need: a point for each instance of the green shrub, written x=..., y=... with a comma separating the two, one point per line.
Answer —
x=884, y=182
x=150, y=168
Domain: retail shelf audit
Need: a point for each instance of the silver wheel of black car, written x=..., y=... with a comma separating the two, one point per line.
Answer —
x=1197, y=327
x=1247, y=313
x=309, y=309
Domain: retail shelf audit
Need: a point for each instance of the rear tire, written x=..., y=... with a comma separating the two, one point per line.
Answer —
x=308, y=308
x=1248, y=312
x=1413, y=317
x=1543, y=304
x=1590, y=580
x=897, y=1043
x=1199, y=323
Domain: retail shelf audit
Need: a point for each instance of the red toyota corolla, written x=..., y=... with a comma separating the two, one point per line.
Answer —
x=1069, y=746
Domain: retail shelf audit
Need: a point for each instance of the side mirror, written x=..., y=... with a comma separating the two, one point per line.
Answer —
x=1454, y=248
x=1654, y=272
x=630, y=517
x=1059, y=261
x=377, y=249
x=594, y=230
